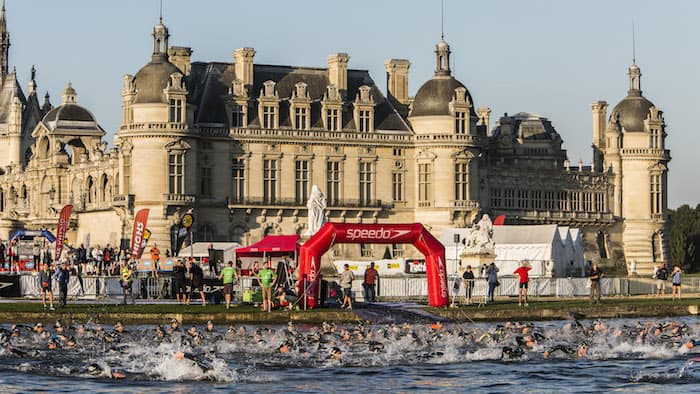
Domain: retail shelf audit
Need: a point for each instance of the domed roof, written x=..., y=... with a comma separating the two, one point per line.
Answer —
x=69, y=112
x=153, y=78
x=434, y=97
x=632, y=111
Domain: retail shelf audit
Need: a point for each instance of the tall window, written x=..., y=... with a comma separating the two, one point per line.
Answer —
x=522, y=199
x=550, y=200
x=176, y=172
x=301, y=117
x=600, y=202
x=365, y=120
x=496, y=198
x=461, y=181
x=333, y=119
x=237, y=116
x=563, y=199
x=365, y=183
x=656, y=194
x=127, y=174
x=333, y=182
x=301, y=181
x=268, y=117
x=205, y=182
x=397, y=186
x=424, y=182
x=238, y=179
x=269, y=181
x=587, y=202
x=509, y=198
x=536, y=199
x=575, y=200
x=175, y=110
x=654, y=142
x=460, y=122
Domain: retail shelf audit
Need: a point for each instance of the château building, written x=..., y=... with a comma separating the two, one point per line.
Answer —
x=240, y=144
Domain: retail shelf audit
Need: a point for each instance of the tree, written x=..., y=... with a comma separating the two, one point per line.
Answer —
x=684, y=237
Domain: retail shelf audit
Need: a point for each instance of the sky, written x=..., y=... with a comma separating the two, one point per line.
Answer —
x=549, y=57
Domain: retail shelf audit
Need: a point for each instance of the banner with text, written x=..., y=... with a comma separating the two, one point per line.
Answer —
x=139, y=231
x=61, y=228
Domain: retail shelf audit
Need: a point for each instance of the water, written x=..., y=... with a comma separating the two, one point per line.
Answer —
x=623, y=355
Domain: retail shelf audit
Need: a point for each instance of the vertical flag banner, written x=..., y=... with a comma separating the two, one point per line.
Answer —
x=139, y=231
x=62, y=227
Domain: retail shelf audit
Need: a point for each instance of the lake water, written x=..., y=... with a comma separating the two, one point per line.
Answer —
x=622, y=355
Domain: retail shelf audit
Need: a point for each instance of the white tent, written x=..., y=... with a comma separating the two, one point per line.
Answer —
x=201, y=249
x=541, y=245
x=453, y=250
x=567, y=243
x=577, y=242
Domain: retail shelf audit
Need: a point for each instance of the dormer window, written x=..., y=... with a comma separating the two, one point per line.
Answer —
x=333, y=119
x=269, y=116
x=365, y=121
x=237, y=116
x=332, y=109
x=300, y=107
x=364, y=110
x=460, y=122
x=301, y=118
x=175, y=113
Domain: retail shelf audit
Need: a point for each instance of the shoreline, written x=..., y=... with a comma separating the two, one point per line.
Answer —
x=32, y=312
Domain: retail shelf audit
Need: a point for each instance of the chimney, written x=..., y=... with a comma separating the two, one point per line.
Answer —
x=599, y=110
x=180, y=57
x=338, y=70
x=397, y=80
x=243, y=57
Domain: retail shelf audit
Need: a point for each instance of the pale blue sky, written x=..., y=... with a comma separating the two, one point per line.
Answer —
x=551, y=57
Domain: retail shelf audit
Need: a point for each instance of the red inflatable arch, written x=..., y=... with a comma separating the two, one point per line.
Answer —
x=333, y=233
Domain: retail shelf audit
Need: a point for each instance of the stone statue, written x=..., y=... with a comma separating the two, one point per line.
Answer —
x=317, y=211
x=480, y=238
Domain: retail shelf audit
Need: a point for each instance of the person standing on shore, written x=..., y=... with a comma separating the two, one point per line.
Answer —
x=266, y=277
x=228, y=276
x=180, y=281
x=346, y=279
x=661, y=277
x=45, y=283
x=676, y=282
x=370, y=283
x=197, y=281
x=522, y=272
x=62, y=277
x=126, y=280
x=468, y=277
x=594, y=275
x=492, y=277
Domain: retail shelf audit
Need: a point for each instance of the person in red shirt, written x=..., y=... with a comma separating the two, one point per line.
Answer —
x=522, y=271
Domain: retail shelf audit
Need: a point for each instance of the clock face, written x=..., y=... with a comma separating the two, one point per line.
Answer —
x=187, y=220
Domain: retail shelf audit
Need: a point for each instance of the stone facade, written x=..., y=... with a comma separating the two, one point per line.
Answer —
x=241, y=144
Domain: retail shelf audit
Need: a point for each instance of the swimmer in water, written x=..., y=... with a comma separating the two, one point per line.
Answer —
x=335, y=353
x=96, y=370
x=512, y=352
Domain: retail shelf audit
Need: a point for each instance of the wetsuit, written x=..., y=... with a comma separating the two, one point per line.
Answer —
x=179, y=272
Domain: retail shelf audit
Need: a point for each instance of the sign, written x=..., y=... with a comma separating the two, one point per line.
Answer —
x=61, y=228
x=9, y=286
x=415, y=266
x=137, y=236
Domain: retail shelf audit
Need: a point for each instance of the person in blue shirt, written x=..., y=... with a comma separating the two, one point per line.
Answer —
x=676, y=282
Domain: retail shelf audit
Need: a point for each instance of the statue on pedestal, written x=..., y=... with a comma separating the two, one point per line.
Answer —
x=317, y=211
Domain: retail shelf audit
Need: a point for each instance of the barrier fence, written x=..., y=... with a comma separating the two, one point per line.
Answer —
x=400, y=288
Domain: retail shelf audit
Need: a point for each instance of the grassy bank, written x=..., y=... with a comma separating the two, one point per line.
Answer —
x=546, y=309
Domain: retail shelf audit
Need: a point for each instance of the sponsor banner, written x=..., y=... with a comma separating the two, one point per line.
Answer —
x=9, y=286
x=137, y=236
x=376, y=233
x=61, y=228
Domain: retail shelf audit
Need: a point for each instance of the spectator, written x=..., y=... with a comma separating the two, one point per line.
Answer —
x=81, y=257
x=107, y=257
x=661, y=277
x=197, y=278
x=346, y=279
x=97, y=257
x=370, y=283
x=676, y=282
x=45, y=283
x=126, y=280
x=36, y=254
x=155, y=260
x=285, y=297
x=180, y=281
x=594, y=275
x=522, y=272
x=492, y=275
x=468, y=277
x=228, y=276
x=266, y=276
x=62, y=276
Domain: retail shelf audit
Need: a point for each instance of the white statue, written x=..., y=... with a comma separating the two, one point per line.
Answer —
x=480, y=238
x=317, y=211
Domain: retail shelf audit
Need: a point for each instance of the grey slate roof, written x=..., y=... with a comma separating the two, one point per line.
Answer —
x=632, y=110
x=152, y=78
x=9, y=91
x=434, y=97
x=209, y=83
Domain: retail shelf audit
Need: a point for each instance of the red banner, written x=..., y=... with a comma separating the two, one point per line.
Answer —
x=62, y=227
x=139, y=230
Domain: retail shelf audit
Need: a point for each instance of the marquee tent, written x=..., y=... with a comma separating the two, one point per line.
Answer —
x=541, y=245
x=272, y=245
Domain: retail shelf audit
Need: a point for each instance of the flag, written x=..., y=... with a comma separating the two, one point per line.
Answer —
x=146, y=237
x=138, y=233
x=182, y=231
x=61, y=228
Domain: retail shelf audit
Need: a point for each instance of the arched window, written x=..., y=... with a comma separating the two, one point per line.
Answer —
x=90, y=189
x=104, y=188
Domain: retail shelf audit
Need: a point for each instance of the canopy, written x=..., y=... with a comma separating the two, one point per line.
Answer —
x=34, y=233
x=201, y=249
x=271, y=245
